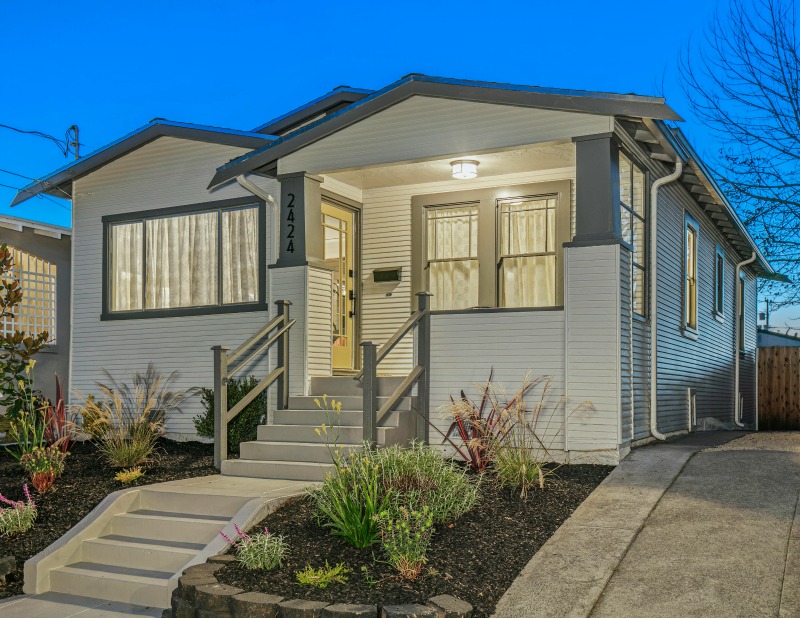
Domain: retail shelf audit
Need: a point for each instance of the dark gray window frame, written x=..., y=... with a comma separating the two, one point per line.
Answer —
x=187, y=209
x=488, y=239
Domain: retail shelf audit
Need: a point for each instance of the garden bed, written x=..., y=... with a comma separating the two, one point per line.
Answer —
x=86, y=481
x=475, y=559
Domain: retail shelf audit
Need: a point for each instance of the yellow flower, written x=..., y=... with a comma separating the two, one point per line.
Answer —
x=316, y=401
x=21, y=384
x=316, y=431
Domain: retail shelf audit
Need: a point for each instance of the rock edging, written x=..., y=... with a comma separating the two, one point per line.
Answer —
x=200, y=595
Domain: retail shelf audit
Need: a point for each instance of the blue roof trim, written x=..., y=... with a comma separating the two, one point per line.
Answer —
x=311, y=104
x=132, y=140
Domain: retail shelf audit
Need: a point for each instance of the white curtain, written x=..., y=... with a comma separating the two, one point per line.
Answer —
x=126, y=267
x=528, y=227
x=182, y=261
x=453, y=236
x=240, y=256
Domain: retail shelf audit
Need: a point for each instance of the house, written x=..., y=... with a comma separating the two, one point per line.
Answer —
x=768, y=338
x=563, y=233
x=42, y=264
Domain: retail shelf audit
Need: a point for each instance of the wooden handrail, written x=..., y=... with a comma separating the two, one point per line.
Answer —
x=419, y=376
x=224, y=371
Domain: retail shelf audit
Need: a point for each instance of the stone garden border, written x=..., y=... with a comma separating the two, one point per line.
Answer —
x=200, y=595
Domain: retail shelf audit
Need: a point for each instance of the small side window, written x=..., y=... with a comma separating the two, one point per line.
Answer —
x=691, y=234
x=742, y=302
x=719, y=282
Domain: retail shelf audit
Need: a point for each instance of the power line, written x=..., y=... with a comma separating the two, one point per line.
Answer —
x=70, y=138
x=40, y=195
x=67, y=195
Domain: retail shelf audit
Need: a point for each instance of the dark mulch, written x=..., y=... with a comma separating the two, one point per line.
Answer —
x=474, y=559
x=86, y=481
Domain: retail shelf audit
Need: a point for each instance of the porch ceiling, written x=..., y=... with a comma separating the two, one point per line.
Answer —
x=538, y=157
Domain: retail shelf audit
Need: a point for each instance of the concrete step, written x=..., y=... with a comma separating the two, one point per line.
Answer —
x=308, y=402
x=290, y=451
x=200, y=504
x=164, y=526
x=306, y=433
x=267, y=469
x=343, y=386
x=138, y=553
x=315, y=418
x=110, y=583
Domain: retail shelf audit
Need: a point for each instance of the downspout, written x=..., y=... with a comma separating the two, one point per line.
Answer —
x=737, y=412
x=273, y=218
x=654, y=295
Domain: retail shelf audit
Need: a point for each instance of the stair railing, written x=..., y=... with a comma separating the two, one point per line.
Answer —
x=227, y=365
x=420, y=321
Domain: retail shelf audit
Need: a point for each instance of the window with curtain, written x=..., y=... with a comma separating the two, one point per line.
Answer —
x=36, y=312
x=690, y=274
x=634, y=228
x=452, y=256
x=197, y=259
x=527, y=267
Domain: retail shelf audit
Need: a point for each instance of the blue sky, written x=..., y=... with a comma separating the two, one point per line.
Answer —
x=110, y=67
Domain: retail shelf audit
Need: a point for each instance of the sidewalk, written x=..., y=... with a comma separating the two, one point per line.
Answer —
x=678, y=529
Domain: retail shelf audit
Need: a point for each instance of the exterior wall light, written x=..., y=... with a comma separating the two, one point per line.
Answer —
x=464, y=168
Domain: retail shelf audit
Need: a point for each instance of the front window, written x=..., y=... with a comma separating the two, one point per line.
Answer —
x=36, y=312
x=186, y=260
x=690, y=274
x=527, y=252
x=452, y=256
x=634, y=230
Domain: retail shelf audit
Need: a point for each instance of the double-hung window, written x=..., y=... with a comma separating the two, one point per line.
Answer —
x=691, y=232
x=634, y=228
x=199, y=258
x=740, y=308
x=719, y=282
x=452, y=255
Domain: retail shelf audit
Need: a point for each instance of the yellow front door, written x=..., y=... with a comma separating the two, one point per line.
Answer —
x=338, y=229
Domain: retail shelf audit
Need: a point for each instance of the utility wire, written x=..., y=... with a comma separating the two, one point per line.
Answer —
x=70, y=138
x=40, y=195
x=67, y=195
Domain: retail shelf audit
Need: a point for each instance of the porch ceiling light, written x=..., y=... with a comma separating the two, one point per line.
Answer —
x=464, y=168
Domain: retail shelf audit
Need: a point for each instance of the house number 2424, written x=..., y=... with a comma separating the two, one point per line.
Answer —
x=290, y=223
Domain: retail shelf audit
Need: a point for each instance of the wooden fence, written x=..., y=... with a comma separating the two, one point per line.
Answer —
x=779, y=388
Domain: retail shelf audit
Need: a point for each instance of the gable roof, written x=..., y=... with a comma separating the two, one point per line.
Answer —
x=336, y=99
x=414, y=84
x=59, y=182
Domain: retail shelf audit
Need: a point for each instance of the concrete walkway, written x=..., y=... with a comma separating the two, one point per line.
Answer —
x=57, y=605
x=697, y=527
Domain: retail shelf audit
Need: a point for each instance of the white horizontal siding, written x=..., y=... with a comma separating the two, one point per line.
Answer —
x=592, y=290
x=386, y=242
x=422, y=127
x=466, y=347
x=319, y=322
x=166, y=172
x=292, y=284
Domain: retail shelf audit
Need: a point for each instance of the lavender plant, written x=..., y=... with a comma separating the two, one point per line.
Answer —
x=19, y=515
x=263, y=550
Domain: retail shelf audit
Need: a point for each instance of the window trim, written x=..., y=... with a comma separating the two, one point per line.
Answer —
x=719, y=282
x=187, y=209
x=690, y=222
x=645, y=267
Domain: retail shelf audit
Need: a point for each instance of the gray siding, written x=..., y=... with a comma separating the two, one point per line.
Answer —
x=53, y=359
x=626, y=348
x=166, y=172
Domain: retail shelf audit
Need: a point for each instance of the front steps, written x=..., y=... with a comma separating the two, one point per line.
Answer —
x=290, y=448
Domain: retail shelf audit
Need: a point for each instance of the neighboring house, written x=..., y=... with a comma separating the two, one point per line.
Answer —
x=539, y=259
x=768, y=338
x=42, y=264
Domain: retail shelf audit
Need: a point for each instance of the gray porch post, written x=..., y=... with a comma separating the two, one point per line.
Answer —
x=597, y=214
x=220, y=405
x=370, y=388
x=301, y=220
x=422, y=340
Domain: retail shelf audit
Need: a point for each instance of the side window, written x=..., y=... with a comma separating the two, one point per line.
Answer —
x=719, y=282
x=452, y=256
x=634, y=228
x=741, y=316
x=691, y=235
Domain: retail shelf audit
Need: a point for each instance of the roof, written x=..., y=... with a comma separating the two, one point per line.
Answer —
x=415, y=84
x=339, y=97
x=45, y=229
x=59, y=182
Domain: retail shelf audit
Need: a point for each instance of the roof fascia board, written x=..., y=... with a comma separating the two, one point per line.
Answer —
x=133, y=141
x=18, y=224
x=311, y=109
x=446, y=89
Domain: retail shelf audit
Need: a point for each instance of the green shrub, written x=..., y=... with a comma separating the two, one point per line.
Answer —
x=324, y=576
x=350, y=497
x=19, y=515
x=44, y=466
x=244, y=427
x=405, y=537
x=129, y=475
x=27, y=427
x=417, y=476
x=260, y=551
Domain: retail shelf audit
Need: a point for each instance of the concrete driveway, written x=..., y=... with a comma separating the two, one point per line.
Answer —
x=703, y=526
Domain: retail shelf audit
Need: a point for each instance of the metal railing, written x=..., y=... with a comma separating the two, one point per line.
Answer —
x=227, y=365
x=420, y=374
